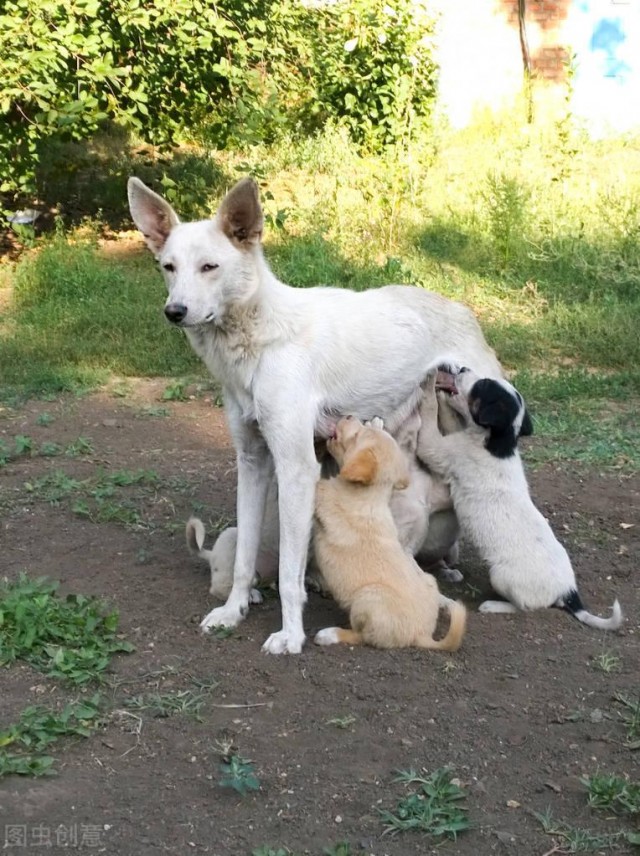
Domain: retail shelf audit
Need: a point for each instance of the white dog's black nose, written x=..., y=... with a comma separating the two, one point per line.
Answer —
x=175, y=312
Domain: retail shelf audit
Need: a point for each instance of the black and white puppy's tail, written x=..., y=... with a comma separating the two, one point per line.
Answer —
x=572, y=602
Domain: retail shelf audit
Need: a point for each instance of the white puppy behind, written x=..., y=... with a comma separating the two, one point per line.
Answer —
x=527, y=564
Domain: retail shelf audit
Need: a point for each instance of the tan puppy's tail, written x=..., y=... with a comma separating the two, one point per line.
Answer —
x=457, y=625
x=195, y=533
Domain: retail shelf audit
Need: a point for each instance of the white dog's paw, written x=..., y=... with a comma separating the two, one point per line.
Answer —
x=255, y=596
x=376, y=423
x=451, y=575
x=284, y=642
x=221, y=616
x=497, y=606
x=328, y=636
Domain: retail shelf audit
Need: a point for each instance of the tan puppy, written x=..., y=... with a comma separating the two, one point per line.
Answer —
x=392, y=603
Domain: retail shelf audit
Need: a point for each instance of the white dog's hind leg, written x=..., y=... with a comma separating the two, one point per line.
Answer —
x=498, y=606
x=255, y=469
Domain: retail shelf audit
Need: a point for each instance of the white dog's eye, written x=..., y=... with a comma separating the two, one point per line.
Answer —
x=207, y=268
x=169, y=267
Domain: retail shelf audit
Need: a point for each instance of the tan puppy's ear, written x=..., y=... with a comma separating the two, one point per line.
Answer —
x=360, y=467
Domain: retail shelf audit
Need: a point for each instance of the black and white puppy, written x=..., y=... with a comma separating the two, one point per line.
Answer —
x=527, y=564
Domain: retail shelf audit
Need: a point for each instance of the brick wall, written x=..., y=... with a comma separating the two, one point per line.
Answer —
x=547, y=56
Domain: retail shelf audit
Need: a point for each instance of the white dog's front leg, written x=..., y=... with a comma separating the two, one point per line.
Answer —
x=298, y=472
x=255, y=470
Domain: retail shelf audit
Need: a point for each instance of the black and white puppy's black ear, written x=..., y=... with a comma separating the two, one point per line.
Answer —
x=526, y=429
x=495, y=406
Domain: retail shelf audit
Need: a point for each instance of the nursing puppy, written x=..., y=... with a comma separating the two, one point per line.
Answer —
x=423, y=512
x=392, y=603
x=527, y=564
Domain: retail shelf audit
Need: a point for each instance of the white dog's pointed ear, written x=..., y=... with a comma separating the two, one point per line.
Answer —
x=240, y=214
x=153, y=216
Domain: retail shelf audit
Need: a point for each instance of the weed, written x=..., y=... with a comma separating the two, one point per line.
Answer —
x=221, y=632
x=152, y=411
x=265, y=850
x=175, y=391
x=238, y=773
x=44, y=418
x=72, y=637
x=163, y=705
x=432, y=808
x=38, y=728
x=23, y=445
x=607, y=662
x=613, y=793
x=630, y=713
x=81, y=446
x=5, y=457
x=49, y=449
x=25, y=765
x=577, y=840
x=342, y=848
x=342, y=721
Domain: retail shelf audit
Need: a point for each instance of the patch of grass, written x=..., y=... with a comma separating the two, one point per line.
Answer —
x=574, y=839
x=433, y=807
x=152, y=411
x=49, y=449
x=175, y=391
x=78, y=317
x=265, y=850
x=81, y=446
x=39, y=727
x=630, y=713
x=238, y=773
x=342, y=722
x=613, y=793
x=44, y=419
x=163, y=705
x=607, y=662
x=72, y=637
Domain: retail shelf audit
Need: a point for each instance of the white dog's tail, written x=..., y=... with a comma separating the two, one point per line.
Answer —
x=195, y=537
x=572, y=602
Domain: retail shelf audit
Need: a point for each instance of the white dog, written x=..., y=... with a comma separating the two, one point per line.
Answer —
x=527, y=565
x=291, y=361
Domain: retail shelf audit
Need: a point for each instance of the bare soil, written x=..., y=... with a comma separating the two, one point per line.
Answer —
x=520, y=713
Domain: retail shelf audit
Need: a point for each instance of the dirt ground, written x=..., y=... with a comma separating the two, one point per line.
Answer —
x=520, y=713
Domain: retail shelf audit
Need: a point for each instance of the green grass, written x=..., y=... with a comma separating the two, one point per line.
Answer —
x=538, y=231
x=38, y=728
x=613, y=793
x=239, y=774
x=629, y=710
x=433, y=807
x=575, y=839
x=72, y=637
x=162, y=705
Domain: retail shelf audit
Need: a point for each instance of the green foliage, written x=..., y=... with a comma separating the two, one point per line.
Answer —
x=432, y=808
x=575, y=839
x=613, y=793
x=38, y=728
x=72, y=638
x=239, y=773
x=239, y=71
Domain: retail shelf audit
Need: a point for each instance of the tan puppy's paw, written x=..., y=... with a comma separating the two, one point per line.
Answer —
x=376, y=423
x=328, y=636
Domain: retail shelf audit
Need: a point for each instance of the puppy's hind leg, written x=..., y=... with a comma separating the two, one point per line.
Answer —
x=498, y=606
x=335, y=635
